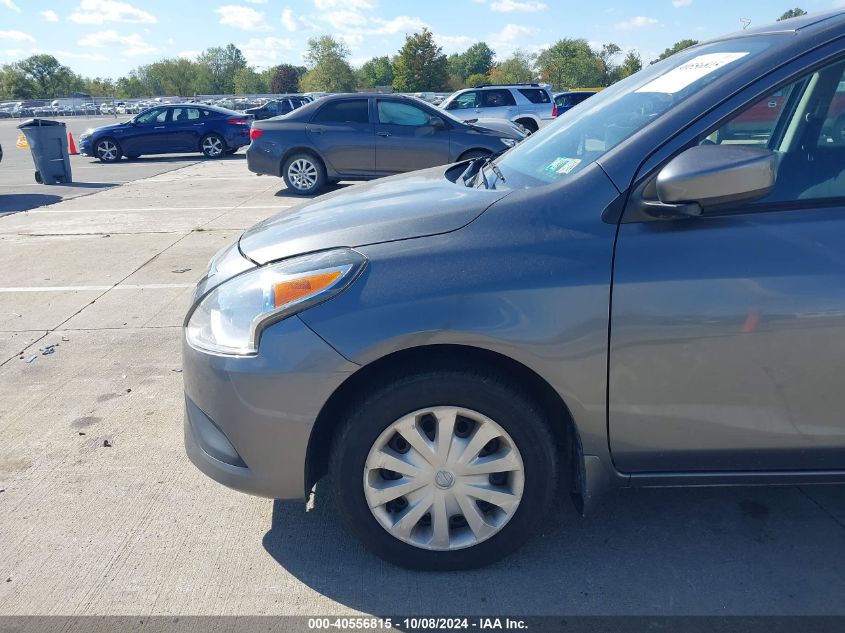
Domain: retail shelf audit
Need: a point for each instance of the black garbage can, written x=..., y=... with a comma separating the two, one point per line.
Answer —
x=48, y=143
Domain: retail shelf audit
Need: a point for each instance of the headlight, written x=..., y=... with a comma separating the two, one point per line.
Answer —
x=508, y=141
x=229, y=319
x=85, y=135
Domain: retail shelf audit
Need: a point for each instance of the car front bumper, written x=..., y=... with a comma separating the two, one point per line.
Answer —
x=248, y=420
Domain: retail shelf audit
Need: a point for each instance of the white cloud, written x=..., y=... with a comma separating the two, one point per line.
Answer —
x=240, y=17
x=265, y=51
x=681, y=3
x=508, y=6
x=288, y=21
x=102, y=11
x=356, y=5
x=345, y=19
x=512, y=37
x=636, y=23
x=133, y=45
x=10, y=5
x=50, y=16
x=257, y=1
x=16, y=36
x=399, y=24
x=454, y=43
x=189, y=54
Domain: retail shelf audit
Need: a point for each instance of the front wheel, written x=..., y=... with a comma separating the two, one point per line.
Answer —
x=107, y=150
x=444, y=470
x=304, y=174
x=213, y=146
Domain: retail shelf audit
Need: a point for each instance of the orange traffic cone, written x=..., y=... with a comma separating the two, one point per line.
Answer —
x=71, y=145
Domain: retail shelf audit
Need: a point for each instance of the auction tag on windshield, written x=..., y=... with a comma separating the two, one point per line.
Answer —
x=563, y=165
x=693, y=70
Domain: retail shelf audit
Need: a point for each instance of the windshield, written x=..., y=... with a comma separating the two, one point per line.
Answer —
x=603, y=121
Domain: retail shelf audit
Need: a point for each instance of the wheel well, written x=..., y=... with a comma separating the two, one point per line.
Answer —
x=300, y=150
x=388, y=367
x=528, y=123
x=470, y=151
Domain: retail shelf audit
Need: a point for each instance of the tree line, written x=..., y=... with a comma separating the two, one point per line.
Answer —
x=419, y=66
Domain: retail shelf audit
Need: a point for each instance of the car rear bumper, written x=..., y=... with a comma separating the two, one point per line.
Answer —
x=264, y=158
x=248, y=420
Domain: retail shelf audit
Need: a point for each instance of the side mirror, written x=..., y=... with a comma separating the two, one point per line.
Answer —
x=437, y=123
x=452, y=105
x=710, y=175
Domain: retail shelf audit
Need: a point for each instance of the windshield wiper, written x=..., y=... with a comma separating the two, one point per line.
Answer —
x=496, y=171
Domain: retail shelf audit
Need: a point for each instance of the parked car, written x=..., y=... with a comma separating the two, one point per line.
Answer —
x=530, y=105
x=565, y=101
x=360, y=137
x=621, y=300
x=169, y=129
x=277, y=107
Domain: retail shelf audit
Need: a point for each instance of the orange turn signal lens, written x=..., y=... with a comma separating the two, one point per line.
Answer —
x=286, y=292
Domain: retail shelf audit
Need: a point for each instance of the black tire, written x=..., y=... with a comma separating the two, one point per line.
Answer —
x=304, y=174
x=107, y=150
x=213, y=145
x=487, y=393
x=528, y=124
x=474, y=153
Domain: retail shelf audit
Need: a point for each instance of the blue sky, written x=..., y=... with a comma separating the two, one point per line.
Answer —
x=107, y=38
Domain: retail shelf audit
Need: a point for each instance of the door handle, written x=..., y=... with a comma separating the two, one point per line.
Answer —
x=159, y=127
x=198, y=124
x=773, y=104
x=385, y=134
x=315, y=130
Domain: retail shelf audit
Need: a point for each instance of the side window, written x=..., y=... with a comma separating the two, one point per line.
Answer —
x=180, y=115
x=465, y=101
x=833, y=128
x=810, y=147
x=348, y=111
x=535, y=95
x=496, y=98
x=564, y=101
x=285, y=106
x=157, y=115
x=395, y=113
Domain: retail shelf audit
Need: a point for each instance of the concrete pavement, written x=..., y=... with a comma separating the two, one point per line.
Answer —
x=101, y=512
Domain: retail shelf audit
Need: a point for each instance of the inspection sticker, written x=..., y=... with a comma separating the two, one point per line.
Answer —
x=693, y=70
x=563, y=165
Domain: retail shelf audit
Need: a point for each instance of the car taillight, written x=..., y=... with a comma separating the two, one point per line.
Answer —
x=255, y=133
x=238, y=121
x=554, y=110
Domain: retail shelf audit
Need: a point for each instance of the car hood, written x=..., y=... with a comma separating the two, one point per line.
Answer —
x=401, y=207
x=109, y=128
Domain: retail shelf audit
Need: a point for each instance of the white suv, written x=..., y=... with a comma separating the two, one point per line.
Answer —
x=530, y=105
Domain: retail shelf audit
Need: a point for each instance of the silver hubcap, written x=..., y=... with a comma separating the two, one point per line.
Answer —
x=107, y=150
x=443, y=478
x=212, y=146
x=302, y=174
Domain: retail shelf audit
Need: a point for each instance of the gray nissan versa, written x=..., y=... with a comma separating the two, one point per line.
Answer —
x=648, y=292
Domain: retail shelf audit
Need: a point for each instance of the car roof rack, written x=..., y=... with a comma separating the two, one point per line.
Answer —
x=505, y=85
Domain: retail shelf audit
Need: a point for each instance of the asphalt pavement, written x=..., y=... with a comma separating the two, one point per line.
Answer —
x=20, y=192
x=101, y=513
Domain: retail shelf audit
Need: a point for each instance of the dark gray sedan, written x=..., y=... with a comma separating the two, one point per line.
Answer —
x=640, y=294
x=360, y=137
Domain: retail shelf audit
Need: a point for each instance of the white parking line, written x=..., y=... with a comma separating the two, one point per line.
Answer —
x=92, y=288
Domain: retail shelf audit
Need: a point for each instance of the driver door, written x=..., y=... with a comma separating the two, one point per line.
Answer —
x=142, y=136
x=408, y=138
x=728, y=329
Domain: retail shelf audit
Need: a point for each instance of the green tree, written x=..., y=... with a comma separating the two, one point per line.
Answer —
x=218, y=66
x=99, y=87
x=632, y=63
x=676, y=47
x=131, y=86
x=605, y=57
x=792, y=13
x=376, y=72
x=328, y=66
x=283, y=78
x=516, y=69
x=570, y=63
x=420, y=65
x=476, y=60
x=43, y=76
x=247, y=81
x=477, y=79
x=176, y=77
